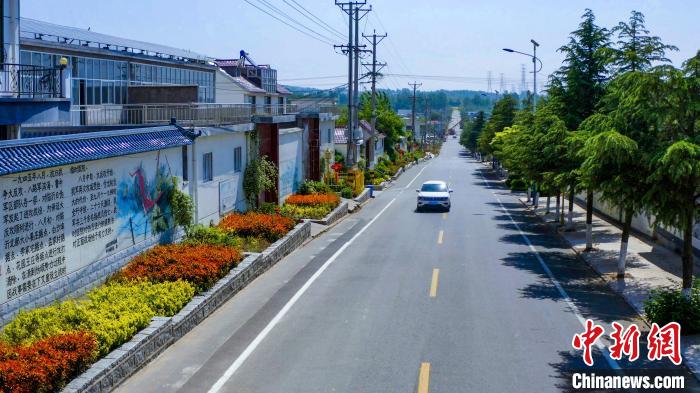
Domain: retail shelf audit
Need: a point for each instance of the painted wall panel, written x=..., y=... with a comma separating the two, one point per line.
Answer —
x=58, y=220
x=290, y=162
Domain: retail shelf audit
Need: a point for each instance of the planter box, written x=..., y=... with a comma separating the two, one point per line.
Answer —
x=107, y=373
x=363, y=197
x=339, y=212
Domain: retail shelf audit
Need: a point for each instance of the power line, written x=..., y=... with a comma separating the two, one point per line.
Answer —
x=293, y=27
x=309, y=15
x=288, y=17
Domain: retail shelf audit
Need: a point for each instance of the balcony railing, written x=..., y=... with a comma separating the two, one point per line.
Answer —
x=199, y=114
x=29, y=81
x=275, y=109
x=313, y=107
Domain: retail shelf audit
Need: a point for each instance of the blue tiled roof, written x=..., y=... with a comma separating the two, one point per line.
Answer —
x=38, y=153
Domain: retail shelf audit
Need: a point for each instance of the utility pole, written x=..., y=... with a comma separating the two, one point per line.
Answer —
x=413, y=111
x=357, y=133
x=376, y=67
x=353, y=9
x=427, y=122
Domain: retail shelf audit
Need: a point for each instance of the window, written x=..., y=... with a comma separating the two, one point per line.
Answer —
x=434, y=187
x=237, y=157
x=208, y=163
x=185, y=173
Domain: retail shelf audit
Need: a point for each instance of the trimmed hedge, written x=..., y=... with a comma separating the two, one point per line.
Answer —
x=46, y=365
x=201, y=265
x=267, y=226
x=298, y=212
x=328, y=200
x=113, y=313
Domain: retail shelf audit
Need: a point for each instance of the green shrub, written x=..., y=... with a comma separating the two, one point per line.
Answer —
x=199, y=235
x=518, y=185
x=346, y=192
x=669, y=305
x=314, y=187
x=299, y=211
x=113, y=312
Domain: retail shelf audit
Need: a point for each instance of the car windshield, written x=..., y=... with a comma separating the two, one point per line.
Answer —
x=434, y=187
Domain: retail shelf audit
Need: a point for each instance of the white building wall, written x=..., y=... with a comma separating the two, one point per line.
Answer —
x=290, y=162
x=227, y=91
x=225, y=190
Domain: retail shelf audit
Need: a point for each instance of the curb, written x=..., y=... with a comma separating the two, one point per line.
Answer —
x=336, y=214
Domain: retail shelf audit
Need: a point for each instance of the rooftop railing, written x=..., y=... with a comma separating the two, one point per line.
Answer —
x=30, y=81
x=190, y=115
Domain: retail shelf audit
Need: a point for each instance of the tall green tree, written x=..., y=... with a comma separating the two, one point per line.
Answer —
x=637, y=50
x=577, y=87
x=389, y=122
x=502, y=116
x=626, y=135
x=579, y=84
x=675, y=181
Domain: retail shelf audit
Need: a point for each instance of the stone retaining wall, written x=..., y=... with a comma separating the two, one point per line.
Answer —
x=107, y=373
x=363, y=197
x=339, y=212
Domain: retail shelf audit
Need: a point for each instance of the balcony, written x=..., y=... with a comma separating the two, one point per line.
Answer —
x=30, y=95
x=29, y=81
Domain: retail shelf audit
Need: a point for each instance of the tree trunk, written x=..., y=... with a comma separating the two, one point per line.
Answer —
x=589, y=220
x=570, y=218
x=549, y=203
x=687, y=255
x=563, y=206
x=626, y=227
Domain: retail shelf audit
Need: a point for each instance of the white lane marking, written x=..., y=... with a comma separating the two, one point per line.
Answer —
x=261, y=336
x=611, y=362
x=416, y=177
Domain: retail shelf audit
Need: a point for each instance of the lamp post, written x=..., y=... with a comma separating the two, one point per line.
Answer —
x=535, y=59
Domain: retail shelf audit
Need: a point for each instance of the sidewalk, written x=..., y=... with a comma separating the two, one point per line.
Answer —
x=649, y=266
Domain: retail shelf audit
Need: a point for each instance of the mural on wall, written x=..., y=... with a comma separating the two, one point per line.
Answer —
x=59, y=220
x=143, y=206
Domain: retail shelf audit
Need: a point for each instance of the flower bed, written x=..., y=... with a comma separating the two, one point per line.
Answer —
x=268, y=226
x=45, y=365
x=201, y=265
x=326, y=200
x=313, y=206
x=113, y=313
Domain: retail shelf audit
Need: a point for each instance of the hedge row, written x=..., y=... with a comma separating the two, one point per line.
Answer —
x=268, y=226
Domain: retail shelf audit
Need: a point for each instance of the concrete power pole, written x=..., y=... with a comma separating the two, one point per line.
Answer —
x=376, y=67
x=357, y=134
x=353, y=9
x=413, y=111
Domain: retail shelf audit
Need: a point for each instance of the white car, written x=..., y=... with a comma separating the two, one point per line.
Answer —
x=434, y=194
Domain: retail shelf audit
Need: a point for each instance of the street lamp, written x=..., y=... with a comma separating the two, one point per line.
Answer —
x=535, y=59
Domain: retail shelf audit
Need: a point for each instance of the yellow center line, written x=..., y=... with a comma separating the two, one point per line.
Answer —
x=440, y=235
x=434, y=283
x=444, y=216
x=424, y=377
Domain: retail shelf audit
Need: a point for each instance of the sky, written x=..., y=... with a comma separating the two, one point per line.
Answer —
x=443, y=44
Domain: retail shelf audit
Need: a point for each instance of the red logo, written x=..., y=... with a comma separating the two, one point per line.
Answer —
x=665, y=342
x=626, y=342
x=662, y=342
x=586, y=339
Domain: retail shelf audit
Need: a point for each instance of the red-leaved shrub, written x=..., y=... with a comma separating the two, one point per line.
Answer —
x=45, y=365
x=201, y=265
x=329, y=200
x=268, y=226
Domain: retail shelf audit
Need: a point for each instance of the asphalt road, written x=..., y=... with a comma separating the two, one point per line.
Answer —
x=391, y=300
